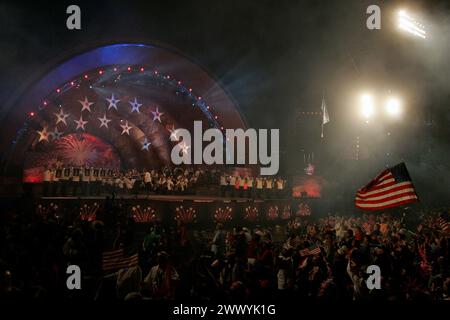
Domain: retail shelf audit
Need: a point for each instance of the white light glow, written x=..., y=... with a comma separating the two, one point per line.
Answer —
x=408, y=24
x=367, y=105
x=393, y=107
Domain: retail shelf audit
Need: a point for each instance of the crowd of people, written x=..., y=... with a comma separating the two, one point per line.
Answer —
x=307, y=258
x=89, y=181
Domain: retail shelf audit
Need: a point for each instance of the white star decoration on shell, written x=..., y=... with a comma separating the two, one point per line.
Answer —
x=104, y=121
x=43, y=134
x=185, y=148
x=80, y=123
x=86, y=104
x=157, y=115
x=173, y=134
x=126, y=128
x=135, y=105
x=112, y=102
x=57, y=134
x=61, y=117
x=146, y=144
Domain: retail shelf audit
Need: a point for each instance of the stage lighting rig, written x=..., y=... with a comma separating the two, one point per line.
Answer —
x=367, y=107
x=408, y=24
x=393, y=107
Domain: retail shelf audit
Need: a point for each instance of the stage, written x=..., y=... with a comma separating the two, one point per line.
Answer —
x=172, y=198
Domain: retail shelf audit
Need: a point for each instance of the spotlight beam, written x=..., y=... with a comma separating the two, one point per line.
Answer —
x=367, y=106
x=393, y=107
x=410, y=25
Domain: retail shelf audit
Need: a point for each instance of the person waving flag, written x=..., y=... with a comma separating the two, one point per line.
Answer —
x=392, y=187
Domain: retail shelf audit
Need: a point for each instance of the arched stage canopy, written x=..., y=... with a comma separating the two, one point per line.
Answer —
x=112, y=106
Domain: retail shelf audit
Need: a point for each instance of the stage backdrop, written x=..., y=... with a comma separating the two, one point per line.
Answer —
x=78, y=149
x=307, y=186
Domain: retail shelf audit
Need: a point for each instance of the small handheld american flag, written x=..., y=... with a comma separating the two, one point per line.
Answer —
x=392, y=187
x=115, y=260
x=312, y=250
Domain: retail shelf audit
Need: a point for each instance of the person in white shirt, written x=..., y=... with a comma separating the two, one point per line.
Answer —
x=223, y=184
x=85, y=178
x=169, y=184
x=284, y=275
x=119, y=184
x=259, y=186
x=185, y=183
x=75, y=180
x=232, y=181
x=234, y=184
x=269, y=187
x=280, y=187
x=76, y=174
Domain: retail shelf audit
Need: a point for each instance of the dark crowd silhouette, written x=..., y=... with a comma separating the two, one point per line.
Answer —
x=311, y=258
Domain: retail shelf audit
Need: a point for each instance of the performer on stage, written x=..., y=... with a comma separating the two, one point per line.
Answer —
x=250, y=189
x=85, y=177
x=259, y=186
x=76, y=177
x=57, y=182
x=65, y=180
x=231, y=185
x=269, y=187
x=242, y=187
x=223, y=184
x=46, y=181
x=148, y=181
x=103, y=180
x=95, y=181
x=280, y=187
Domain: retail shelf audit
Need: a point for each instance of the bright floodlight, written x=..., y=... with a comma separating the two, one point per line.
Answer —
x=408, y=24
x=367, y=106
x=393, y=107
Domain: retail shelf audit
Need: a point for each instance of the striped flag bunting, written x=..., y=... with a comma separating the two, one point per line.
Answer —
x=311, y=251
x=304, y=252
x=392, y=187
x=115, y=260
x=442, y=225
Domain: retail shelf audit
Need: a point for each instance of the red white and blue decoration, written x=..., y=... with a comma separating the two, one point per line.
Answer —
x=223, y=215
x=144, y=214
x=185, y=215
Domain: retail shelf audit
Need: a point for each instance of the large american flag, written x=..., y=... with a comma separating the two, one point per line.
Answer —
x=392, y=187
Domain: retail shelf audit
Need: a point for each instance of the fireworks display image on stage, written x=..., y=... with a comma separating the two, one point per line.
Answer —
x=217, y=158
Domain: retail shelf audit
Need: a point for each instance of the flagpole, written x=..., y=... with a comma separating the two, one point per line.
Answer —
x=321, y=112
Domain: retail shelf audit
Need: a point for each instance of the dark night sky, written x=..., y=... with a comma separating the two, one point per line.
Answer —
x=274, y=57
